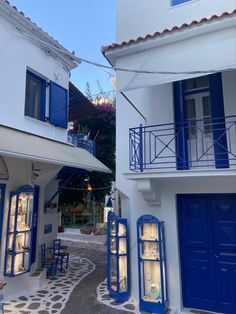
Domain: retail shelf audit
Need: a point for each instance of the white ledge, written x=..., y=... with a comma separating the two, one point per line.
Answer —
x=181, y=174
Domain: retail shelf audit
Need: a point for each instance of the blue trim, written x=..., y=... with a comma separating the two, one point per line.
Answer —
x=14, y=252
x=117, y=295
x=217, y=112
x=177, y=2
x=181, y=131
x=2, y=190
x=43, y=93
x=34, y=225
x=145, y=305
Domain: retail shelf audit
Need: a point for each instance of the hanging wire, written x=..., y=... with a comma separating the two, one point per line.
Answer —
x=99, y=65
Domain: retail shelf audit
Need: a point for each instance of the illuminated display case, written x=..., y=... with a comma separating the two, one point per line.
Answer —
x=18, y=245
x=118, y=258
x=151, y=262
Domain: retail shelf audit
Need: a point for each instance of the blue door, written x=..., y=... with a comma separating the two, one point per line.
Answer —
x=207, y=230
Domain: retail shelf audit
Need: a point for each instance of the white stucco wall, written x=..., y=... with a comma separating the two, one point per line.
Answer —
x=138, y=18
x=18, y=54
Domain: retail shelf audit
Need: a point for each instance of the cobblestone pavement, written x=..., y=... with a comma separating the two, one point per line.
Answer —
x=83, y=299
x=53, y=296
x=74, y=292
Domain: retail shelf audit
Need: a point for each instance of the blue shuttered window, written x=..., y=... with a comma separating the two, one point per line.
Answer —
x=58, y=105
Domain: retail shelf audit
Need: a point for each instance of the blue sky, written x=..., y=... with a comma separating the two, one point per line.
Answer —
x=79, y=25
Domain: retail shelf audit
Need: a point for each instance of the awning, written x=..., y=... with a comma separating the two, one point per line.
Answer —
x=19, y=144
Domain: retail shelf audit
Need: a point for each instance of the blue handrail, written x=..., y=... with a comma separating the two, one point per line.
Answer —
x=209, y=142
x=80, y=142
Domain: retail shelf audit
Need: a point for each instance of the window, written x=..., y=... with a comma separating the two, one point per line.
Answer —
x=176, y=2
x=35, y=96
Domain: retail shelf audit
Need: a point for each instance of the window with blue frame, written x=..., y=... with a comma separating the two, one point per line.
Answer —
x=176, y=2
x=35, y=96
x=36, y=101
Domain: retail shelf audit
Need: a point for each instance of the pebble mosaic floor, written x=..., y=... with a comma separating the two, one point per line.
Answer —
x=104, y=297
x=52, y=298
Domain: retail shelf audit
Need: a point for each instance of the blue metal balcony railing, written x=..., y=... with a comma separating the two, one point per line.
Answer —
x=79, y=141
x=209, y=143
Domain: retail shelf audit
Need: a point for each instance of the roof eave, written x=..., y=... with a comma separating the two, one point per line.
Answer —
x=124, y=49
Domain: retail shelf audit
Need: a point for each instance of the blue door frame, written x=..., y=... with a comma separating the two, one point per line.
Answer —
x=207, y=229
x=2, y=191
x=218, y=123
x=34, y=225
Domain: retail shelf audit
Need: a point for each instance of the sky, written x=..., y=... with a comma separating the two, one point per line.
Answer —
x=82, y=26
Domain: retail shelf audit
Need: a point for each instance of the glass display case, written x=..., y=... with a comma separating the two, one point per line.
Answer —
x=151, y=264
x=18, y=245
x=118, y=257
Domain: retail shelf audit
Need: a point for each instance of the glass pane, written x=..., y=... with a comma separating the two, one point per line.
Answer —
x=9, y=264
x=21, y=263
x=25, y=208
x=206, y=106
x=150, y=250
x=198, y=82
x=113, y=245
x=113, y=227
x=123, y=272
x=33, y=97
x=151, y=283
x=113, y=272
x=149, y=231
x=122, y=246
x=121, y=230
x=10, y=243
x=13, y=205
x=201, y=81
x=190, y=109
x=22, y=241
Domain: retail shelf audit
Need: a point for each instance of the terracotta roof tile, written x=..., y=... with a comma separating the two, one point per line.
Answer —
x=169, y=31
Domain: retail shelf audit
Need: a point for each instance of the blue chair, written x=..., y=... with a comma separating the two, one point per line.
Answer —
x=50, y=263
x=59, y=252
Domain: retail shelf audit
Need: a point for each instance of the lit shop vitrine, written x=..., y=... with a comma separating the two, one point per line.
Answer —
x=118, y=258
x=151, y=262
x=19, y=231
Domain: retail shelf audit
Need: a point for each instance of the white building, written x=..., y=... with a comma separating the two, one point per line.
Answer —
x=34, y=84
x=176, y=141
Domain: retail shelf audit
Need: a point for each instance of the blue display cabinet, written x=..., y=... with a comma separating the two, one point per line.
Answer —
x=151, y=264
x=118, y=258
x=19, y=229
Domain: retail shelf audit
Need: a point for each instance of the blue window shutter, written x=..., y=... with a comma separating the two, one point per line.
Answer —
x=180, y=130
x=58, y=105
x=218, y=120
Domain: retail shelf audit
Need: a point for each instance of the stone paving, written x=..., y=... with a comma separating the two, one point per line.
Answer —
x=54, y=295
x=104, y=297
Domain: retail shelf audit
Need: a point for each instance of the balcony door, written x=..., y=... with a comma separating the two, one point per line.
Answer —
x=199, y=129
x=200, y=123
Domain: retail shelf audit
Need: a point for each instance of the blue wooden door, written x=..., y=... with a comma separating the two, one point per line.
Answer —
x=207, y=229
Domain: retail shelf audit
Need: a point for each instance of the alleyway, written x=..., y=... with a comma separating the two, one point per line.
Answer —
x=74, y=292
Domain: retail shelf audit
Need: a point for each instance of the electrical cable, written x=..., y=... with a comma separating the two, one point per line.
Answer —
x=99, y=65
x=93, y=189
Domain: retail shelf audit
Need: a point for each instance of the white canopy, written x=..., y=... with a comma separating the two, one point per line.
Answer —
x=19, y=144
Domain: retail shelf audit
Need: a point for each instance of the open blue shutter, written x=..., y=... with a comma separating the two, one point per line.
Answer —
x=180, y=130
x=218, y=121
x=58, y=105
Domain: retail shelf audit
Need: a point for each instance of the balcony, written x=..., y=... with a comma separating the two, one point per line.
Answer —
x=82, y=142
x=198, y=144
